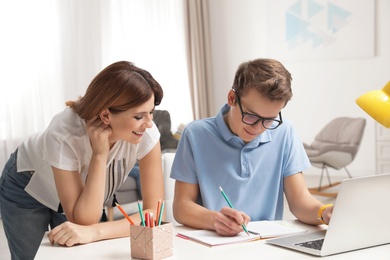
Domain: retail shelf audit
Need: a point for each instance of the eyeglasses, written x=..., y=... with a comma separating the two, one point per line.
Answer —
x=252, y=119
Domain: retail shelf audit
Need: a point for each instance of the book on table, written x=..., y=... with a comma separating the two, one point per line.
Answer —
x=257, y=230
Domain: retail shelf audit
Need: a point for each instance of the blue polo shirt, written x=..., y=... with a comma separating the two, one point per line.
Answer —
x=251, y=174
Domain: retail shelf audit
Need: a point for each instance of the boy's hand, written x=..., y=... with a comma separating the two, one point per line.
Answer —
x=228, y=222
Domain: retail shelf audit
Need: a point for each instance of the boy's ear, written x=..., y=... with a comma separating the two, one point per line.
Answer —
x=231, y=98
x=105, y=116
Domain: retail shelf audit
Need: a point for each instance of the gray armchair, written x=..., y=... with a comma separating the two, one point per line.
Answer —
x=168, y=142
x=335, y=146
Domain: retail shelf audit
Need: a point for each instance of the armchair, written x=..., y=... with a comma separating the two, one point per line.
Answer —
x=335, y=146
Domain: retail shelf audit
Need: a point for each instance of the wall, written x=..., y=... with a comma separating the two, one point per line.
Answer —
x=322, y=89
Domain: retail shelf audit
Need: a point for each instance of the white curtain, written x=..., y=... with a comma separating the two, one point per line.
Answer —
x=150, y=33
x=199, y=56
x=29, y=67
x=51, y=50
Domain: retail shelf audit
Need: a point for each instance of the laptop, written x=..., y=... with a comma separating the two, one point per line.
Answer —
x=360, y=220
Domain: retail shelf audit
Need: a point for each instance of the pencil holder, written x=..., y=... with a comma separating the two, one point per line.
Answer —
x=151, y=242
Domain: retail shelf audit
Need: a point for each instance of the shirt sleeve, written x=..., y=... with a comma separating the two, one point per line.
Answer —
x=296, y=159
x=183, y=167
x=57, y=140
x=149, y=140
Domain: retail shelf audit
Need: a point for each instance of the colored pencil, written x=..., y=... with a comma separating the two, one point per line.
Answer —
x=152, y=223
x=124, y=214
x=158, y=210
x=230, y=205
x=160, y=213
x=141, y=214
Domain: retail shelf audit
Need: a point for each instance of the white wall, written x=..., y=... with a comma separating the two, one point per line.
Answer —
x=322, y=89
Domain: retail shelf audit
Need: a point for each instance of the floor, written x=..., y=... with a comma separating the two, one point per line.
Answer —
x=311, y=181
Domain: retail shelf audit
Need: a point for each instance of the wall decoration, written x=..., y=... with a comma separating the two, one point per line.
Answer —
x=320, y=29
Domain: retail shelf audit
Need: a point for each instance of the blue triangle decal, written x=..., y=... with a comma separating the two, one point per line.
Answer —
x=317, y=40
x=294, y=26
x=336, y=17
x=313, y=8
x=296, y=8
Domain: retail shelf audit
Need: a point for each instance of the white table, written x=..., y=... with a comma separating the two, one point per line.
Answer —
x=188, y=250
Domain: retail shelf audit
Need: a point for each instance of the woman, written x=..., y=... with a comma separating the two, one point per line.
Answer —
x=63, y=176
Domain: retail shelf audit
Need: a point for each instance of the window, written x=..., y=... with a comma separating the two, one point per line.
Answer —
x=51, y=50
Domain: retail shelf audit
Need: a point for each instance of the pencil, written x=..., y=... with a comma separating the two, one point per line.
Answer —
x=158, y=210
x=230, y=205
x=152, y=223
x=147, y=219
x=141, y=214
x=160, y=214
x=124, y=213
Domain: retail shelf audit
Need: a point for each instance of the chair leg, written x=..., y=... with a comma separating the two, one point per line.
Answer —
x=327, y=175
x=321, y=190
x=322, y=175
x=345, y=168
x=324, y=169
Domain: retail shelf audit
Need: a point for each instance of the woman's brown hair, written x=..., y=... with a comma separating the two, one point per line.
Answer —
x=118, y=87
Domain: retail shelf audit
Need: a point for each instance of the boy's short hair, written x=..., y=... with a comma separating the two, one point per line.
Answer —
x=269, y=77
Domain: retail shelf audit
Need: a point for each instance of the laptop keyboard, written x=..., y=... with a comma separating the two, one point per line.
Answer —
x=314, y=244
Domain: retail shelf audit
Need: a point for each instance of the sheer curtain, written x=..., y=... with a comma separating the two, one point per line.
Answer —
x=151, y=34
x=29, y=66
x=51, y=50
x=199, y=63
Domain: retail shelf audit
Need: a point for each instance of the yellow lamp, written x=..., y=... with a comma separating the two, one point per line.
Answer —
x=377, y=104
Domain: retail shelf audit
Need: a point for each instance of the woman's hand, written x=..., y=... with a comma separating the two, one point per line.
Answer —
x=70, y=234
x=228, y=221
x=99, y=134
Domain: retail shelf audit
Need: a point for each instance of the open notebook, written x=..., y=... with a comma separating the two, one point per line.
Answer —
x=257, y=230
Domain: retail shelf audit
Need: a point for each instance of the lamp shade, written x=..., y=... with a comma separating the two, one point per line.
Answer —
x=377, y=104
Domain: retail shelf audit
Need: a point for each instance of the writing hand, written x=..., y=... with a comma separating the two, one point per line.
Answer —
x=228, y=221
